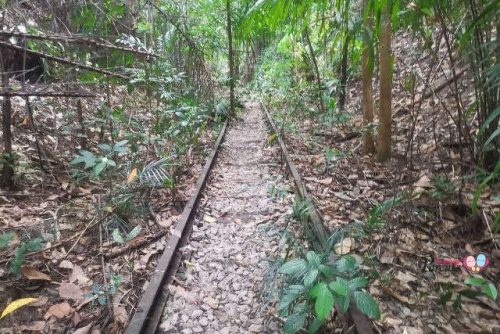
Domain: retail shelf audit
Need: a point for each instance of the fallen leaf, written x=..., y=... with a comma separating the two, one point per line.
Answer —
x=343, y=196
x=70, y=291
x=208, y=219
x=84, y=330
x=119, y=312
x=36, y=326
x=15, y=305
x=59, y=311
x=132, y=176
x=423, y=182
x=344, y=247
x=78, y=275
x=33, y=274
x=65, y=264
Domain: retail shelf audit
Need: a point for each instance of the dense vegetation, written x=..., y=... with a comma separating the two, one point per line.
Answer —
x=109, y=108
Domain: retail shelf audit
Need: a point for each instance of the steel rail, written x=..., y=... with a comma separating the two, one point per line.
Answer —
x=148, y=312
x=361, y=321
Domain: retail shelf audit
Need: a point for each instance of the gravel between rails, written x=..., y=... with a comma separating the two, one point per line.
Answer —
x=236, y=232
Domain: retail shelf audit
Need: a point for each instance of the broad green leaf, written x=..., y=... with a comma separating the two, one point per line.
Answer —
x=357, y=283
x=315, y=290
x=105, y=147
x=134, y=233
x=117, y=237
x=294, y=323
x=310, y=277
x=287, y=299
x=343, y=303
x=367, y=304
x=347, y=264
x=99, y=168
x=490, y=290
x=326, y=270
x=313, y=259
x=475, y=281
x=293, y=267
x=324, y=302
x=339, y=288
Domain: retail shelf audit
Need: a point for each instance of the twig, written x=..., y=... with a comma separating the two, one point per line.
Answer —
x=135, y=245
x=489, y=229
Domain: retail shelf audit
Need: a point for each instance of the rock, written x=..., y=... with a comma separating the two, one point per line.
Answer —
x=255, y=328
x=214, y=304
x=204, y=322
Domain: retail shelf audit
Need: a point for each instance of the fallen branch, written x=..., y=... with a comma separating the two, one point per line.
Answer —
x=63, y=61
x=77, y=40
x=46, y=94
x=135, y=245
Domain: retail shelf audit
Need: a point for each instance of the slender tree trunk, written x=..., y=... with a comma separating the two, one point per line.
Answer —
x=385, y=112
x=343, y=72
x=316, y=70
x=230, y=58
x=367, y=75
x=7, y=159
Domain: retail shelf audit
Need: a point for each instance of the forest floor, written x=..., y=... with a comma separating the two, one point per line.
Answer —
x=235, y=234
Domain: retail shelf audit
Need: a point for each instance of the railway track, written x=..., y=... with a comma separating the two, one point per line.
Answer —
x=148, y=314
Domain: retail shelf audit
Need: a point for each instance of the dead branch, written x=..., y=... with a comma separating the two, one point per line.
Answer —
x=77, y=40
x=63, y=61
x=134, y=245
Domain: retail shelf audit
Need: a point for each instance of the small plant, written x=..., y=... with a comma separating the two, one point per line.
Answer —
x=333, y=155
x=301, y=210
x=121, y=239
x=20, y=254
x=104, y=291
x=99, y=163
x=487, y=288
x=5, y=239
x=443, y=187
x=315, y=285
x=375, y=217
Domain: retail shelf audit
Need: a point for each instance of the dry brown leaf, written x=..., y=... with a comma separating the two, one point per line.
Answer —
x=34, y=274
x=84, y=330
x=423, y=182
x=344, y=246
x=119, y=312
x=65, y=264
x=36, y=326
x=78, y=275
x=70, y=291
x=59, y=311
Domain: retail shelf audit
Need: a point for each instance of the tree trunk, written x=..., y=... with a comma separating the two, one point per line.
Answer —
x=7, y=159
x=316, y=70
x=367, y=75
x=230, y=58
x=385, y=112
x=343, y=72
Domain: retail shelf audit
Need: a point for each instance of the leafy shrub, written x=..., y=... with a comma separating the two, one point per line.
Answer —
x=315, y=285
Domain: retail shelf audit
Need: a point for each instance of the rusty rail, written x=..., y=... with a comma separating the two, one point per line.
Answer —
x=150, y=307
x=361, y=321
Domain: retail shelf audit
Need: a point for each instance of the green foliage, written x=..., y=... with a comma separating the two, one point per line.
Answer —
x=121, y=239
x=99, y=163
x=33, y=245
x=5, y=239
x=375, y=217
x=315, y=284
x=487, y=288
x=494, y=175
x=442, y=187
x=102, y=293
x=301, y=210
